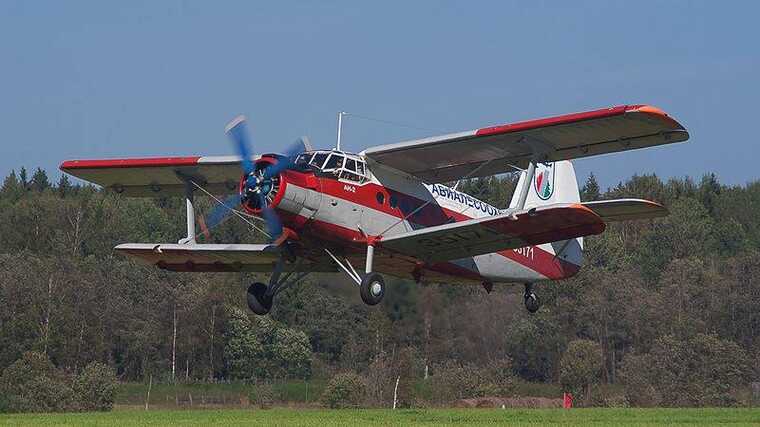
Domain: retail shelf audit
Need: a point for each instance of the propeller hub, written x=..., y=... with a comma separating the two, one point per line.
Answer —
x=256, y=187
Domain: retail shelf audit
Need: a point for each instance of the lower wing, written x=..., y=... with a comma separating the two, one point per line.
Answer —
x=217, y=258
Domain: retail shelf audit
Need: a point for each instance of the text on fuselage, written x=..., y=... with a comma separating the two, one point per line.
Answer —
x=465, y=199
x=526, y=251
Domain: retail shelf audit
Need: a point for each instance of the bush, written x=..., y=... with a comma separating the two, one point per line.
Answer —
x=638, y=388
x=345, y=390
x=32, y=384
x=263, y=349
x=95, y=387
x=262, y=395
x=698, y=370
x=453, y=380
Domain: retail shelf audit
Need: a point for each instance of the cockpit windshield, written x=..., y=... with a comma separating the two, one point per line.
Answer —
x=344, y=166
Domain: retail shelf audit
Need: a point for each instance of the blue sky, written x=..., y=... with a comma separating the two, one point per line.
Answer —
x=118, y=79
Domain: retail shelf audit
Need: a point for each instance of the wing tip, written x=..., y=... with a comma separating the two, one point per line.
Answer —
x=651, y=110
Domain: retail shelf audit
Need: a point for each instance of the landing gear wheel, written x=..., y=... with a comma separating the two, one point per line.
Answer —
x=531, y=300
x=372, y=289
x=258, y=301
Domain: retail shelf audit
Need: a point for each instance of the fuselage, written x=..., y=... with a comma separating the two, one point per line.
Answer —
x=340, y=210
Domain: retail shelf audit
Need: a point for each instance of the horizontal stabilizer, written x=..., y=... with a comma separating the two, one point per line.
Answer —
x=626, y=209
x=511, y=230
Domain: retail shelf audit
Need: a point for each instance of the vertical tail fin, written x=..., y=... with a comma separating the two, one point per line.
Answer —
x=554, y=183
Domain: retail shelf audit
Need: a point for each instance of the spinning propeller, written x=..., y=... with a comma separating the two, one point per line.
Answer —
x=260, y=182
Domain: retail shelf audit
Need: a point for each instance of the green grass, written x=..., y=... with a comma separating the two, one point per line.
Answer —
x=323, y=418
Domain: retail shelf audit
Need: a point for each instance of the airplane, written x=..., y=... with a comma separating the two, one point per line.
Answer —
x=389, y=207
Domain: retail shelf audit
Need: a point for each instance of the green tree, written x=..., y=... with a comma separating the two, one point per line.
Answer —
x=580, y=368
x=64, y=186
x=32, y=384
x=95, y=387
x=242, y=347
x=590, y=190
x=696, y=370
x=40, y=181
x=345, y=390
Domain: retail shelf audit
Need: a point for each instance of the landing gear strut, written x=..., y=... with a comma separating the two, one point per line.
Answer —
x=260, y=296
x=531, y=300
x=371, y=284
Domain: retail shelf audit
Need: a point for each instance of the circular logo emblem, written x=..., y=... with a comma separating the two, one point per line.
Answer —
x=543, y=182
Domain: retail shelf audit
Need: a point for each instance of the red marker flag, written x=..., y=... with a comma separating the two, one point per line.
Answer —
x=567, y=400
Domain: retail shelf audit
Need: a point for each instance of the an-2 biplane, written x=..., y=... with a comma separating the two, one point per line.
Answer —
x=388, y=209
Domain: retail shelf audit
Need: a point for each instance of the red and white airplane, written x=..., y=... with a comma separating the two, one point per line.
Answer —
x=389, y=209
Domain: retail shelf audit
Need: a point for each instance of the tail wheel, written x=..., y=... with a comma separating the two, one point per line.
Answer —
x=258, y=301
x=372, y=289
x=531, y=302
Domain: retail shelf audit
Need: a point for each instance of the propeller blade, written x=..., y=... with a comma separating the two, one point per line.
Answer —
x=272, y=221
x=295, y=149
x=220, y=212
x=237, y=131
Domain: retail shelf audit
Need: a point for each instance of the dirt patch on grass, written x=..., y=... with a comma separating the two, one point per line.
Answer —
x=509, y=402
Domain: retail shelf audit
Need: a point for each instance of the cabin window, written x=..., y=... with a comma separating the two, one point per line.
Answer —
x=393, y=201
x=380, y=198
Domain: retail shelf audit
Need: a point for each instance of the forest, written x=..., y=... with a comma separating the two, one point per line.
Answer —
x=669, y=309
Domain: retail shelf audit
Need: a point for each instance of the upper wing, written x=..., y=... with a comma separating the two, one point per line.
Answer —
x=158, y=177
x=626, y=209
x=479, y=236
x=215, y=258
x=494, y=150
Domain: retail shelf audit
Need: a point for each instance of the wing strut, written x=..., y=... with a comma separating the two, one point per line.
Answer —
x=541, y=151
x=190, y=239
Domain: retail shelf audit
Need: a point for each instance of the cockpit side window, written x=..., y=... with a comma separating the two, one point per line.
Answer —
x=351, y=165
x=334, y=162
x=319, y=160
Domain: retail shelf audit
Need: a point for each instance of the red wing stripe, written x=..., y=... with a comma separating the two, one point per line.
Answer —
x=578, y=117
x=553, y=121
x=130, y=163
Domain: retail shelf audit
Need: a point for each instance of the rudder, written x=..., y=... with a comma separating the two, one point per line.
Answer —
x=553, y=183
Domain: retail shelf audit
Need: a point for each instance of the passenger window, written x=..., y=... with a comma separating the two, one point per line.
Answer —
x=380, y=198
x=360, y=168
x=351, y=165
x=393, y=202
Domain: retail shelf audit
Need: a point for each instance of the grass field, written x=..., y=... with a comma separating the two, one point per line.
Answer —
x=324, y=418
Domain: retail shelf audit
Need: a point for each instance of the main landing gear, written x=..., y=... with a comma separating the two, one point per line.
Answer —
x=260, y=296
x=372, y=289
x=531, y=300
x=371, y=284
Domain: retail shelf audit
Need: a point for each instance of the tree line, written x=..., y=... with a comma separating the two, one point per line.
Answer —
x=680, y=293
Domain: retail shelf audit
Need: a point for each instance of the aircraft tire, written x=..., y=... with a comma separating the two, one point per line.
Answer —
x=531, y=302
x=258, y=301
x=372, y=289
